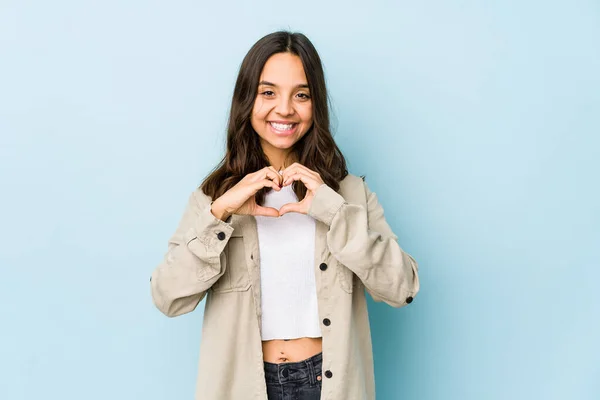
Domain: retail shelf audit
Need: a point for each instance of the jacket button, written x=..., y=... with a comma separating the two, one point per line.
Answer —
x=409, y=300
x=328, y=374
x=323, y=266
x=221, y=235
x=326, y=322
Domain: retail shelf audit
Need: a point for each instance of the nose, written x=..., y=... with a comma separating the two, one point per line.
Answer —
x=284, y=106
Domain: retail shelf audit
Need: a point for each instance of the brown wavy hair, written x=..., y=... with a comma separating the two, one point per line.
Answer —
x=244, y=154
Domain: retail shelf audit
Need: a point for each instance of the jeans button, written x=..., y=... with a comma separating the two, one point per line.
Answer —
x=285, y=373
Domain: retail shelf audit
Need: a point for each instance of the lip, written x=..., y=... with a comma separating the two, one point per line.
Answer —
x=283, y=122
x=283, y=133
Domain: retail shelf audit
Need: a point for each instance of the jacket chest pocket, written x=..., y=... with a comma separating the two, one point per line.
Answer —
x=235, y=278
x=345, y=277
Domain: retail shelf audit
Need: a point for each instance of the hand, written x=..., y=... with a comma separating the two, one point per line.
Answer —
x=311, y=179
x=240, y=198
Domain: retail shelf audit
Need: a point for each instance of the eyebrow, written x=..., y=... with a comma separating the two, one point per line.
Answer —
x=266, y=83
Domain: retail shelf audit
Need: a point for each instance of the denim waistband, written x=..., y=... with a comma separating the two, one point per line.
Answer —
x=294, y=371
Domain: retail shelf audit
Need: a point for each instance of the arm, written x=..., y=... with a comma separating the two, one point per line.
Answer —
x=194, y=261
x=362, y=240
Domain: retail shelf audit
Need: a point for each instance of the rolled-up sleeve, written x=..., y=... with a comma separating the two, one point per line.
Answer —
x=361, y=239
x=194, y=260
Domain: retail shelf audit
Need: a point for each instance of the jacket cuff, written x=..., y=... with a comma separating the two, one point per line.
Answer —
x=211, y=231
x=326, y=203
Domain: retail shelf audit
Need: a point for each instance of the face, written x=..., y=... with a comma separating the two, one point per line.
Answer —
x=282, y=111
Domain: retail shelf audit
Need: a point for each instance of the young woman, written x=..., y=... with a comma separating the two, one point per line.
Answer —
x=283, y=243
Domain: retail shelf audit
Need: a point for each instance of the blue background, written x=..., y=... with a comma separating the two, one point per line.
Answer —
x=476, y=123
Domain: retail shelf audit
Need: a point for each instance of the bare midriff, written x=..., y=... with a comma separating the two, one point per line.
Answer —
x=292, y=350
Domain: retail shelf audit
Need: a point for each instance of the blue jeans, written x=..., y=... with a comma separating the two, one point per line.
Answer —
x=294, y=381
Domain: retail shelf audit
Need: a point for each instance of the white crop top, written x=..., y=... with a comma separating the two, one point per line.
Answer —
x=287, y=276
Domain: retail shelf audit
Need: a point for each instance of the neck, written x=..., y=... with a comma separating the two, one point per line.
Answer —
x=279, y=158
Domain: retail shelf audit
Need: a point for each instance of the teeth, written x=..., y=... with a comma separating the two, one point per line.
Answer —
x=282, y=127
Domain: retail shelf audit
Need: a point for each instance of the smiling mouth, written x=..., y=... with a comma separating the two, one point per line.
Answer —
x=283, y=127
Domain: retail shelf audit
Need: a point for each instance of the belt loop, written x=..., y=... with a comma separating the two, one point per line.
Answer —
x=279, y=374
x=311, y=372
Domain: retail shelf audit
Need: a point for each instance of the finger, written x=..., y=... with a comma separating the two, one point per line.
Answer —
x=292, y=207
x=285, y=174
x=295, y=167
x=266, y=211
x=290, y=169
x=300, y=169
x=309, y=181
x=279, y=178
x=266, y=183
x=263, y=173
x=291, y=177
x=272, y=168
x=273, y=175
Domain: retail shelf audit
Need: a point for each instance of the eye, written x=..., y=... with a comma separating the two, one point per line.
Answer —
x=303, y=96
x=268, y=93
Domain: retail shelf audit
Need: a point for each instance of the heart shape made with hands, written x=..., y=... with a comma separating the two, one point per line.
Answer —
x=297, y=172
x=284, y=201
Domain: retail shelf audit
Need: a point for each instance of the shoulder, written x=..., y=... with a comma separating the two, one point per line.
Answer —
x=352, y=183
x=199, y=198
x=353, y=189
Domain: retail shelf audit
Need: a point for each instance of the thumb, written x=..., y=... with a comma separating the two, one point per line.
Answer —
x=266, y=211
x=291, y=207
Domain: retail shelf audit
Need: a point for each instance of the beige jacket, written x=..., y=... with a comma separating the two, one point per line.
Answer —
x=355, y=249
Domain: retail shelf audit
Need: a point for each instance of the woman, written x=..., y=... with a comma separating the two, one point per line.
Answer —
x=283, y=243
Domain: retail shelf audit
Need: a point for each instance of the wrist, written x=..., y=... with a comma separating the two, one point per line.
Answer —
x=219, y=212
